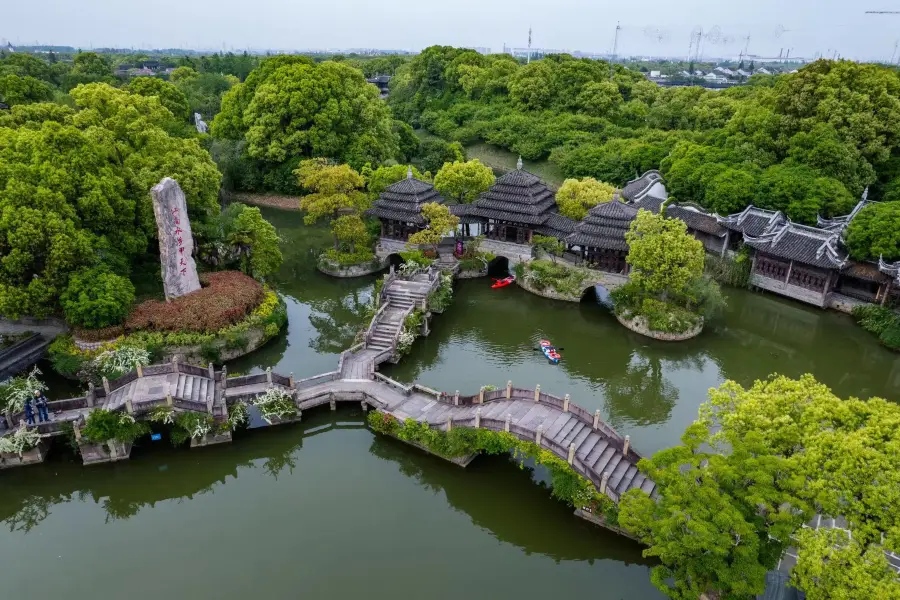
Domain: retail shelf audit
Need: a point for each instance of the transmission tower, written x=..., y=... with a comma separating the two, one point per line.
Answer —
x=616, y=40
x=529, y=46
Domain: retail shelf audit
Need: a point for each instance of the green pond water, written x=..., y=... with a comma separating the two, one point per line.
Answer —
x=326, y=509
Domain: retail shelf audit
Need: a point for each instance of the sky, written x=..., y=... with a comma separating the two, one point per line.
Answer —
x=648, y=27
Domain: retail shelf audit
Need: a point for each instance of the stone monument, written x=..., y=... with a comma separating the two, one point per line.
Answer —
x=200, y=124
x=176, y=242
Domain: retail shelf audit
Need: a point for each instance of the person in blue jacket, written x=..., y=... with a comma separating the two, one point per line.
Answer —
x=41, y=401
x=29, y=412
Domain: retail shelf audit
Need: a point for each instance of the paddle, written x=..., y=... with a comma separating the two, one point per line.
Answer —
x=558, y=349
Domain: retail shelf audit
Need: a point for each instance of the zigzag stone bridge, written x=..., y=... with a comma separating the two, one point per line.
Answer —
x=591, y=446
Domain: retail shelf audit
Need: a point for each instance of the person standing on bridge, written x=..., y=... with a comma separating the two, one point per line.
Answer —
x=41, y=401
x=29, y=412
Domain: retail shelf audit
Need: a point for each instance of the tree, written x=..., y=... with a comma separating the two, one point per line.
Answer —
x=438, y=223
x=435, y=153
x=382, y=177
x=265, y=256
x=335, y=190
x=464, y=181
x=15, y=90
x=325, y=109
x=96, y=298
x=74, y=188
x=757, y=464
x=576, y=197
x=182, y=74
x=833, y=565
x=875, y=232
x=801, y=193
x=664, y=258
x=599, y=99
x=350, y=231
x=230, y=123
x=730, y=191
x=549, y=244
x=168, y=94
x=407, y=141
x=90, y=63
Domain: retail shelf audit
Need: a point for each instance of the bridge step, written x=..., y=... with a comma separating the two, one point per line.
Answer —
x=599, y=465
x=615, y=478
x=630, y=474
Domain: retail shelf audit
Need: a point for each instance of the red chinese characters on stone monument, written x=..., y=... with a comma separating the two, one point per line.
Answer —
x=180, y=241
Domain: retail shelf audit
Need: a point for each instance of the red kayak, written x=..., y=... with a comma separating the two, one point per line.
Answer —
x=499, y=283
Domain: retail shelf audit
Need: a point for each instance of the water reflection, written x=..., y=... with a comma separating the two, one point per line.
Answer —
x=493, y=492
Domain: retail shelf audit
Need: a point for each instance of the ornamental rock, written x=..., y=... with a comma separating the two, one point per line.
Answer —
x=176, y=243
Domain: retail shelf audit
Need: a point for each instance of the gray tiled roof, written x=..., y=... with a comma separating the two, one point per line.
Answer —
x=605, y=226
x=807, y=245
x=839, y=223
x=518, y=197
x=753, y=221
x=638, y=188
x=557, y=226
x=402, y=201
x=693, y=216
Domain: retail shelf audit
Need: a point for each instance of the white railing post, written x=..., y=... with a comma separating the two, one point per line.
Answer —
x=291, y=380
x=604, y=481
x=175, y=364
x=508, y=421
x=508, y=389
x=597, y=419
x=626, y=446
x=139, y=369
x=106, y=385
x=129, y=407
x=537, y=435
x=477, y=417
x=269, y=376
x=212, y=371
x=456, y=398
x=537, y=393
x=481, y=395
x=566, y=403
x=571, y=453
x=449, y=423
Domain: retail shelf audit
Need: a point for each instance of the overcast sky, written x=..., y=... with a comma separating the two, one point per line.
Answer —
x=649, y=27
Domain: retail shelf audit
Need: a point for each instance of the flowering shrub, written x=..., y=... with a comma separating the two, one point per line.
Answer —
x=99, y=335
x=227, y=298
x=103, y=425
x=116, y=362
x=191, y=425
x=275, y=403
x=19, y=441
x=14, y=392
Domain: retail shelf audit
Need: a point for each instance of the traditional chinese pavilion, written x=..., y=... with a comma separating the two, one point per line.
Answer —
x=600, y=236
x=399, y=207
x=516, y=207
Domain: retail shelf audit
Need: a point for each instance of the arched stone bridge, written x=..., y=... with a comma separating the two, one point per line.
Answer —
x=593, y=448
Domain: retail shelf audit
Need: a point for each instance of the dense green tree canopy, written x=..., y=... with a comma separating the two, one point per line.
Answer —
x=169, y=95
x=379, y=179
x=96, y=298
x=74, y=189
x=664, y=258
x=806, y=143
x=575, y=197
x=758, y=464
x=875, y=232
x=463, y=181
x=317, y=110
x=15, y=90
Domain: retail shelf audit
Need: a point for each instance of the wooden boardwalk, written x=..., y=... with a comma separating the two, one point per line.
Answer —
x=591, y=446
